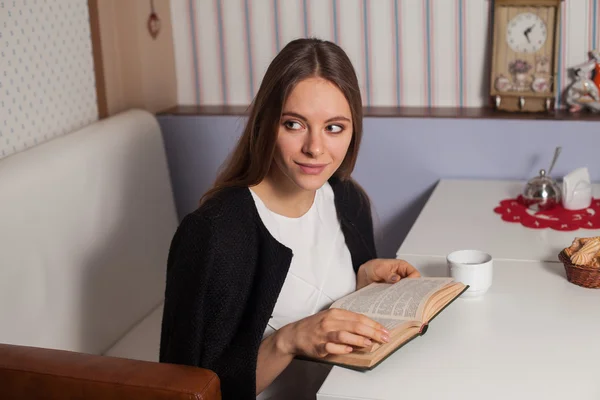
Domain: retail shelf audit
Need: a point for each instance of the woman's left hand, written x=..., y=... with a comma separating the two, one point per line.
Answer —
x=384, y=270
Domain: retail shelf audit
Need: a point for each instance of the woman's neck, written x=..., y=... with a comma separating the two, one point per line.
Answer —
x=282, y=196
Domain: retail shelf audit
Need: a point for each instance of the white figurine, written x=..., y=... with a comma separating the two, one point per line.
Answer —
x=583, y=92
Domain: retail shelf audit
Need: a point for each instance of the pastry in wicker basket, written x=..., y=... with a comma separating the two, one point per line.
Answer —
x=585, y=251
x=582, y=261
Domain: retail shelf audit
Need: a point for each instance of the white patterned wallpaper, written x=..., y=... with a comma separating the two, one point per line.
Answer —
x=47, y=83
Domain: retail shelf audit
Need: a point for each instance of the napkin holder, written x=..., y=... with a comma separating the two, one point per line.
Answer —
x=577, y=190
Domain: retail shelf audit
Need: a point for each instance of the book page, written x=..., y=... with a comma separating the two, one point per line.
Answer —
x=387, y=302
x=386, y=322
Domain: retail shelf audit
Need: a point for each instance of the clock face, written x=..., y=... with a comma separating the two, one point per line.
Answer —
x=526, y=33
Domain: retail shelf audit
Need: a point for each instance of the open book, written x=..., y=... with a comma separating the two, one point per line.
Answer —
x=404, y=308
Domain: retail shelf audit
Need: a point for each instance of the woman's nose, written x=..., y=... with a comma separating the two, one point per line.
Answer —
x=313, y=144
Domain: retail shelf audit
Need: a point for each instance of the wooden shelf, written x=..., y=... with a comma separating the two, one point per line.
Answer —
x=405, y=112
x=474, y=113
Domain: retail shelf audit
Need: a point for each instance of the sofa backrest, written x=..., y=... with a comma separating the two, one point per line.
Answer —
x=85, y=225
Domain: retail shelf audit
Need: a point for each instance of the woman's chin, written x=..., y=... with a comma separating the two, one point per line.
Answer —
x=311, y=182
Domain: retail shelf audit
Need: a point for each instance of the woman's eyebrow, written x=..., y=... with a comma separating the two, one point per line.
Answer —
x=296, y=115
x=293, y=114
x=338, y=118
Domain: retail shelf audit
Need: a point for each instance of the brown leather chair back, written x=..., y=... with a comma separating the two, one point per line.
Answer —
x=37, y=373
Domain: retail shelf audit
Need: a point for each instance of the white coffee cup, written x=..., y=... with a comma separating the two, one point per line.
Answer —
x=473, y=268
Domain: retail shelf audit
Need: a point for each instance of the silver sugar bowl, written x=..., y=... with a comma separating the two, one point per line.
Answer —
x=541, y=192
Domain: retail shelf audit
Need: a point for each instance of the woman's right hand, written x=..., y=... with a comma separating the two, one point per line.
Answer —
x=331, y=331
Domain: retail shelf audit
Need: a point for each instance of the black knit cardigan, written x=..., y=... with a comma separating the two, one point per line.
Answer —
x=224, y=274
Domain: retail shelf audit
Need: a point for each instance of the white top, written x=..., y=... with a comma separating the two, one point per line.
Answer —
x=460, y=215
x=320, y=273
x=533, y=335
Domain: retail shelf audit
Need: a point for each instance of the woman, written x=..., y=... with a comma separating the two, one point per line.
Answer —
x=283, y=233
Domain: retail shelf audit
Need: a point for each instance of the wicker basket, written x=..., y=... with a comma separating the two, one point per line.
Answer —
x=581, y=275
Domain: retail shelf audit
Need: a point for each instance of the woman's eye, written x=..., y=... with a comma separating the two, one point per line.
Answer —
x=293, y=125
x=335, y=128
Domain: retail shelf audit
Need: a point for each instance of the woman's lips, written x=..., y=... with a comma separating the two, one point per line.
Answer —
x=312, y=169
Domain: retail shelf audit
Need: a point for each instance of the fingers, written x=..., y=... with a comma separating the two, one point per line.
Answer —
x=414, y=274
x=369, y=323
x=406, y=270
x=355, y=334
x=340, y=331
x=377, y=273
x=379, y=335
x=335, y=348
x=357, y=325
x=351, y=339
x=341, y=314
x=326, y=348
x=391, y=271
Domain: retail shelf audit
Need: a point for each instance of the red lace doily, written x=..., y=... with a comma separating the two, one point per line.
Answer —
x=558, y=218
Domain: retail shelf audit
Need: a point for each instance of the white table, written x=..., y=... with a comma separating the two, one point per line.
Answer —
x=534, y=335
x=460, y=215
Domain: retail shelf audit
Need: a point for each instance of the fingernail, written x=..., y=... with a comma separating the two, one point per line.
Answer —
x=367, y=342
x=348, y=349
x=385, y=331
x=395, y=278
x=385, y=338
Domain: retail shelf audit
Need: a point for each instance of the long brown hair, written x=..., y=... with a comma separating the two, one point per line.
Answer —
x=251, y=159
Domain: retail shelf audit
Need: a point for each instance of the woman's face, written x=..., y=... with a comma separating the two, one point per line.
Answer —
x=314, y=133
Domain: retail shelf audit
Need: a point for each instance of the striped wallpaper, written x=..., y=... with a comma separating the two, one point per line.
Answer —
x=405, y=52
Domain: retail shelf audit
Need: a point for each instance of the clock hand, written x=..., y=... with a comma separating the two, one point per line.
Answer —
x=527, y=32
